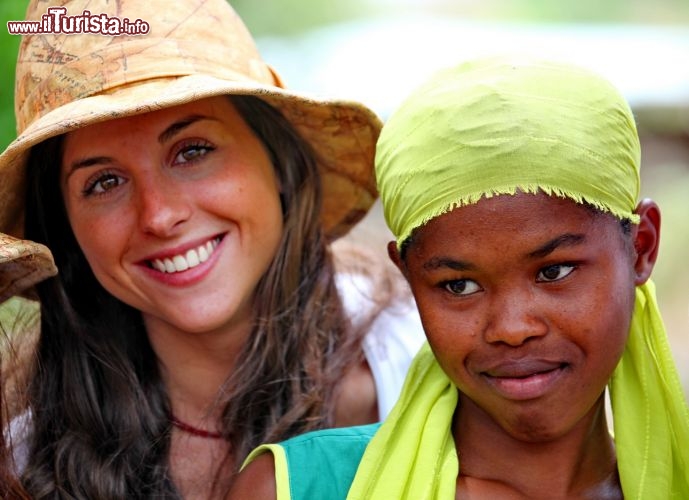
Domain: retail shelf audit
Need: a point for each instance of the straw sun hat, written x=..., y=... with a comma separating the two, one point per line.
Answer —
x=192, y=49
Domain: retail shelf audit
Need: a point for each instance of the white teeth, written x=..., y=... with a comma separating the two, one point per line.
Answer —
x=203, y=254
x=191, y=259
x=180, y=263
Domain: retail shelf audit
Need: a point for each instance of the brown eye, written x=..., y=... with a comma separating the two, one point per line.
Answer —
x=103, y=184
x=555, y=272
x=461, y=287
x=109, y=183
x=192, y=152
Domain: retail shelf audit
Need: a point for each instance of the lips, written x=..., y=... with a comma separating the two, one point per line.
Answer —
x=525, y=379
x=187, y=260
x=522, y=368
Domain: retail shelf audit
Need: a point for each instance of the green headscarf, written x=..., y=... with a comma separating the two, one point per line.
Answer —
x=493, y=127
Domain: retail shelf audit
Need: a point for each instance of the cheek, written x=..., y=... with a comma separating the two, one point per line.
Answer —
x=619, y=321
x=251, y=189
x=99, y=236
x=602, y=322
x=451, y=335
x=264, y=201
x=252, y=203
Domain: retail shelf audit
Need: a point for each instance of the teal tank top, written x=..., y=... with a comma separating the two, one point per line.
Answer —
x=321, y=464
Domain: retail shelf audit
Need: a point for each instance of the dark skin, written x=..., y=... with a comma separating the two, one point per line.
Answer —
x=256, y=481
x=529, y=325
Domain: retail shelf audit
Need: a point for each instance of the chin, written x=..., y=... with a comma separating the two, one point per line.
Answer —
x=202, y=326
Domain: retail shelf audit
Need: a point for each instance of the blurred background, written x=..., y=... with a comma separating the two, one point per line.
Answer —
x=377, y=51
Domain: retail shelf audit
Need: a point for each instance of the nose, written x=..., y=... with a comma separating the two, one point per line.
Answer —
x=514, y=318
x=163, y=206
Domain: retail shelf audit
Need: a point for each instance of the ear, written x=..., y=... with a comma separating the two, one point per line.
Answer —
x=396, y=258
x=646, y=239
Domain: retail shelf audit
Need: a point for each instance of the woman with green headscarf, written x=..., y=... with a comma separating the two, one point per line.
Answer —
x=512, y=188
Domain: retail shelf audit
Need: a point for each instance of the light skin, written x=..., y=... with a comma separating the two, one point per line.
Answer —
x=143, y=190
x=526, y=301
x=155, y=186
x=149, y=187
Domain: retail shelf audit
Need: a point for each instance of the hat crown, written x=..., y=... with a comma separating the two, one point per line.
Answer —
x=121, y=43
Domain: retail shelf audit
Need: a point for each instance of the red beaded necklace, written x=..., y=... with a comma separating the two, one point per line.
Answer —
x=194, y=431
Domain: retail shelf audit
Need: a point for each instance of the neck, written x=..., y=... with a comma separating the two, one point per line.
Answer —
x=579, y=464
x=194, y=368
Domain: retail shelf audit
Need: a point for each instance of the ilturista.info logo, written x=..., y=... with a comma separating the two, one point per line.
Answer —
x=56, y=21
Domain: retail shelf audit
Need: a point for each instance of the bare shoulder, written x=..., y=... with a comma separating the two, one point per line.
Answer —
x=256, y=480
x=357, y=401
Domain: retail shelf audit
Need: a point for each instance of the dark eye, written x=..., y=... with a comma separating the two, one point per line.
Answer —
x=192, y=152
x=103, y=184
x=554, y=272
x=461, y=287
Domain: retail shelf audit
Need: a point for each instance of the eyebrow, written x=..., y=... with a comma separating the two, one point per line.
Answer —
x=446, y=262
x=565, y=240
x=165, y=136
x=180, y=125
x=88, y=162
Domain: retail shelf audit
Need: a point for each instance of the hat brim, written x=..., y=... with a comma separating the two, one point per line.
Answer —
x=341, y=133
x=23, y=263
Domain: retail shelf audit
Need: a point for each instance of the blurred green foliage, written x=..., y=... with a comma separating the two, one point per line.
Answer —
x=9, y=45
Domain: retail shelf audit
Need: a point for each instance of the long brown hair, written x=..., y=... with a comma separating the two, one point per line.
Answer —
x=10, y=487
x=302, y=342
x=100, y=410
x=18, y=331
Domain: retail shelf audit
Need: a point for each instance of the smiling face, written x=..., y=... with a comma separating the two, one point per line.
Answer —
x=526, y=301
x=177, y=212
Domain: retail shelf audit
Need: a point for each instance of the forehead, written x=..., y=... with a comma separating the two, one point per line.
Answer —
x=508, y=221
x=219, y=107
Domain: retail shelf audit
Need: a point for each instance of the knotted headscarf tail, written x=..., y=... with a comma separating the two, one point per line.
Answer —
x=650, y=415
x=494, y=127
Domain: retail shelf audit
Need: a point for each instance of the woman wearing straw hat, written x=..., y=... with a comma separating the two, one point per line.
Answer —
x=189, y=200
x=511, y=186
x=22, y=264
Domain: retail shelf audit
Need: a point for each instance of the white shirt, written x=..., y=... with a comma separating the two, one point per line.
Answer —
x=393, y=340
